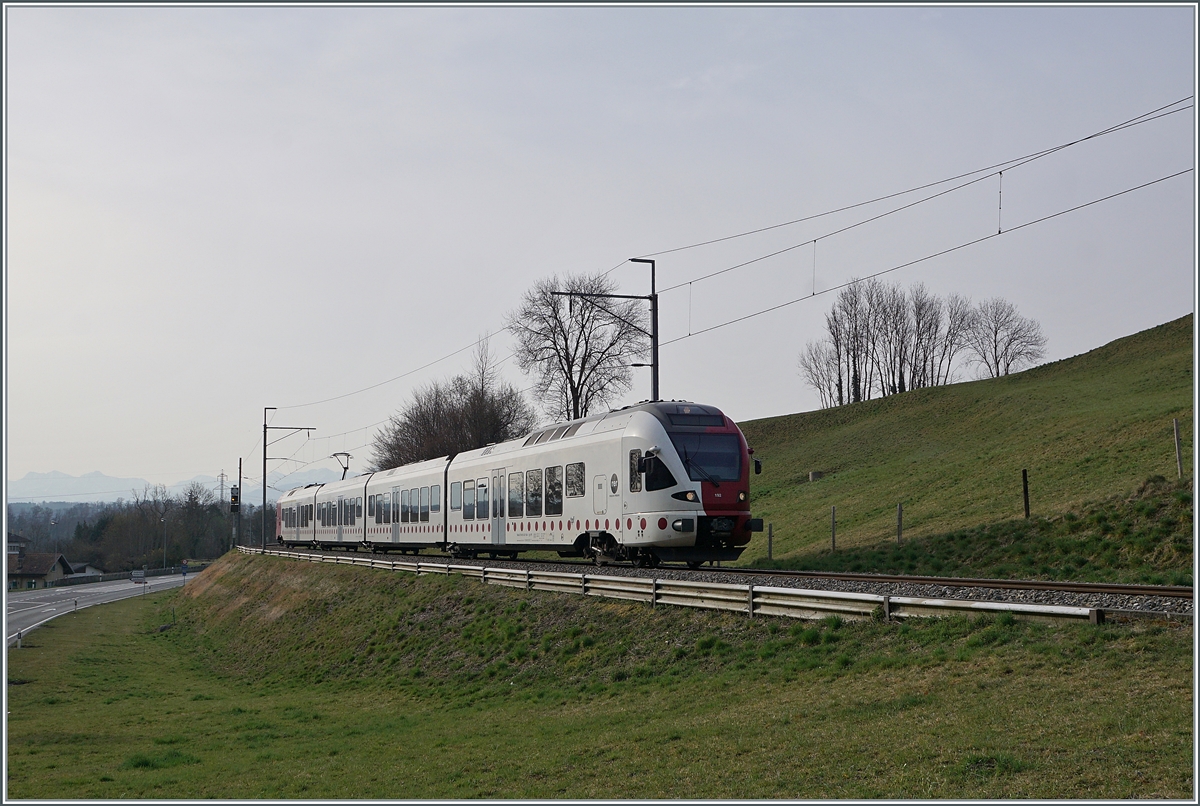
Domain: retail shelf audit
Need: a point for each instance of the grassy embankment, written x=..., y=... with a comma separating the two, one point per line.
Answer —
x=292, y=680
x=1091, y=430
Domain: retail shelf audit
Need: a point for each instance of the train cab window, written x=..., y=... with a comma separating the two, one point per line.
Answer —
x=554, y=490
x=468, y=500
x=576, y=480
x=404, y=506
x=635, y=477
x=456, y=496
x=533, y=494
x=658, y=477
x=424, y=504
x=516, y=495
x=435, y=498
x=481, y=499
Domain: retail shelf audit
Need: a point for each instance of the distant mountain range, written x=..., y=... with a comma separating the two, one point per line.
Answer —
x=95, y=486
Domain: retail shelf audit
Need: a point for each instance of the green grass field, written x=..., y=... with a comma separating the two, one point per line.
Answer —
x=1088, y=429
x=283, y=679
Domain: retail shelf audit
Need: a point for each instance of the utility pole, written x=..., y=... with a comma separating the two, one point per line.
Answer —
x=653, y=334
x=653, y=329
x=237, y=524
x=293, y=430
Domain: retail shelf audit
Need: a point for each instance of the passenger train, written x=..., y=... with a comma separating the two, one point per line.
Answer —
x=662, y=481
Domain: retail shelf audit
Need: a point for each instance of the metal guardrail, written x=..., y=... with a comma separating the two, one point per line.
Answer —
x=85, y=579
x=753, y=600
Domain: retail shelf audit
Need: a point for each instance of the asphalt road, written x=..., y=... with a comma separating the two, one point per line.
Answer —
x=29, y=609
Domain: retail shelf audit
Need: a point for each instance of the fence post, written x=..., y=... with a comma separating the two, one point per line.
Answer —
x=899, y=523
x=833, y=528
x=771, y=539
x=1025, y=489
x=1178, y=453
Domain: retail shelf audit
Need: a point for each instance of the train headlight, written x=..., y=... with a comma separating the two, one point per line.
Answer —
x=742, y=495
x=687, y=495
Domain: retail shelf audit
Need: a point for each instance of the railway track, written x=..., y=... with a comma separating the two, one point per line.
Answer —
x=1115, y=589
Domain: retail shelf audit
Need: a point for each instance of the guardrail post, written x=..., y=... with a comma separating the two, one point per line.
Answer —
x=887, y=608
x=1096, y=616
x=583, y=584
x=750, y=600
x=654, y=593
x=528, y=580
x=483, y=575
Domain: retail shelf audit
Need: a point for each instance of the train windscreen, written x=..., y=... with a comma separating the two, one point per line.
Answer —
x=710, y=457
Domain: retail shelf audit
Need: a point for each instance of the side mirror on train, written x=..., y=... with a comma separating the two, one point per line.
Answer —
x=646, y=464
x=757, y=466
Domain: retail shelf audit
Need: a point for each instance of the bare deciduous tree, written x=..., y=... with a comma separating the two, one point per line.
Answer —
x=818, y=364
x=1001, y=340
x=881, y=340
x=577, y=349
x=447, y=417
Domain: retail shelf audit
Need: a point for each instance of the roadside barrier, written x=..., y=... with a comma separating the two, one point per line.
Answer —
x=85, y=579
x=753, y=600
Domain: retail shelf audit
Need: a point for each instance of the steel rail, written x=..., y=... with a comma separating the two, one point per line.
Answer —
x=1113, y=588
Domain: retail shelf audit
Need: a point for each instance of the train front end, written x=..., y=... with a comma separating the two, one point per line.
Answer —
x=693, y=467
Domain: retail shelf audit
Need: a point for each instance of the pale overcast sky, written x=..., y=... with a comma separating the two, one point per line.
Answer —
x=213, y=210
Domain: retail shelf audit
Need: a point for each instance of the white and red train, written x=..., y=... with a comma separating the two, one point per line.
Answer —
x=664, y=481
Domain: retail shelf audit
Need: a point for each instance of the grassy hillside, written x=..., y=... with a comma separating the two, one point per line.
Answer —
x=1086, y=428
x=282, y=679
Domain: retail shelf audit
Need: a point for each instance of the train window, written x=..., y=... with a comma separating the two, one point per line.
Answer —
x=658, y=477
x=414, y=501
x=387, y=507
x=554, y=490
x=533, y=494
x=635, y=477
x=435, y=498
x=570, y=432
x=558, y=432
x=468, y=500
x=481, y=499
x=424, y=504
x=534, y=438
x=576, y=480
x=456, y=496
x=404, y=506
x=370, y=506
x=358, y=507
x=516, y=495
x=710, y=457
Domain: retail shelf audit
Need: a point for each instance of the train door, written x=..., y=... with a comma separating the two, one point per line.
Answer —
x=340, y=517
x=498, y=501
x=600, y=495
x=393, y=511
